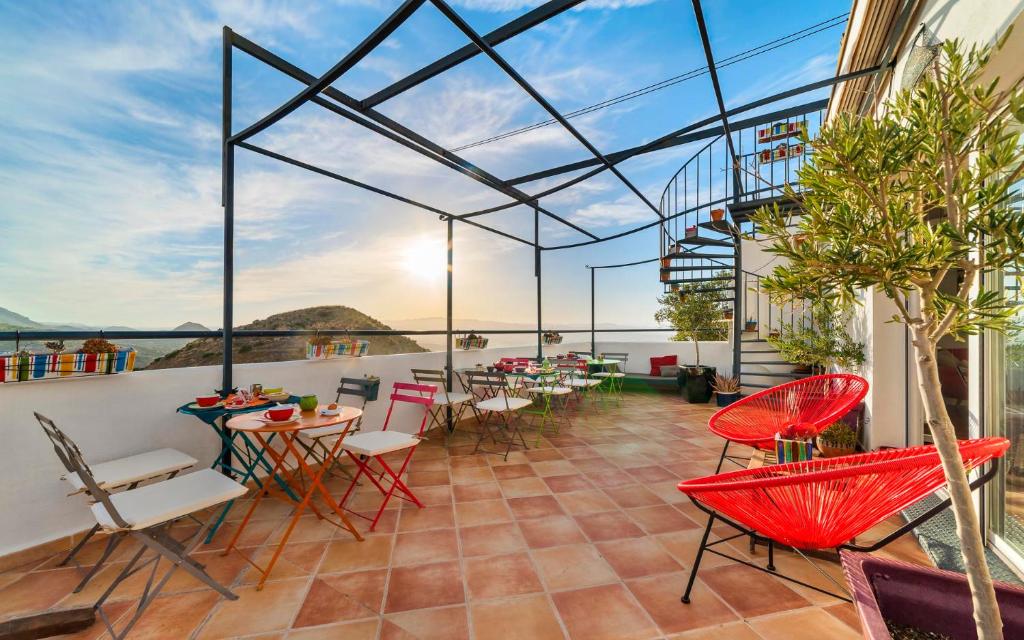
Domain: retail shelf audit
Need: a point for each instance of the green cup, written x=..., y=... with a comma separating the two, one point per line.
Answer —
x=308, y=403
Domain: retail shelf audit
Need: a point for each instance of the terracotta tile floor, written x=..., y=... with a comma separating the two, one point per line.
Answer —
x=583, y=537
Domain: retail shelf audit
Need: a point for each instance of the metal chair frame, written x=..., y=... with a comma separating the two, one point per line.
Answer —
x=613, y=375
x=445, y=416
x=319, y=449
x=401, y=392
x=495, y=385
x=156, y=538
x=543, y=393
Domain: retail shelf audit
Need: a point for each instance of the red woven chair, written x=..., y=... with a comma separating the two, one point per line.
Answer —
x=825, y=503
x=813, y=403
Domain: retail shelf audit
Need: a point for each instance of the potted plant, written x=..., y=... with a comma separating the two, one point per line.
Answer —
x=750, y=326
x=897, y=599
x=96, y=356
x=894, y=204
x=821, y=345
x=372, y=386
x=794, y=444
x=717, y=215
x=727, y=390
x=325, y=348
x=727, y=314
x=552, y=337
x=471, y=341
x=691, y=231
x=838, y=439
x=695, y=315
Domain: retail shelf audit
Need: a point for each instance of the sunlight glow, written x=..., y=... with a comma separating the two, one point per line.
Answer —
x=424, y=258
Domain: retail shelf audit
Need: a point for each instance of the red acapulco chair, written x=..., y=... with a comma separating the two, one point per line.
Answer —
x=825, y=503
x=368, y=446
x=812, y=403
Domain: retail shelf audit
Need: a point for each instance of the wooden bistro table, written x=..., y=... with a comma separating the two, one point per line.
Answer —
x=303, y=480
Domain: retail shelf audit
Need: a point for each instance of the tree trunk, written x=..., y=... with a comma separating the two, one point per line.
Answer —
x=986, y=609
x=696, y=349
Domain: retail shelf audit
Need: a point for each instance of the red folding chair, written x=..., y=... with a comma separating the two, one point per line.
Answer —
x=812, y=403
x=827, y=502
x=366, y=447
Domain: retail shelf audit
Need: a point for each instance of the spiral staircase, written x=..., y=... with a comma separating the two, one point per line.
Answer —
x=706, y=208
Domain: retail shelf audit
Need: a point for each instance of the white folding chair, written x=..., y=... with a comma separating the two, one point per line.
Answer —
x=576, y=376
x=499, y=401
x=121, y=474
x=445, y=400
x=147, y=514
x=319, y=442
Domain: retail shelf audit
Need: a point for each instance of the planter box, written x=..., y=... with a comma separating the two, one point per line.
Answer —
x=922, y=597
x=471, y=343
x=552, y=339
x=337, y=349
x=41, y=366
x=725, y=399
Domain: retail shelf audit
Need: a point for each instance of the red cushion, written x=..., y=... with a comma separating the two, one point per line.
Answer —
x=657, y=361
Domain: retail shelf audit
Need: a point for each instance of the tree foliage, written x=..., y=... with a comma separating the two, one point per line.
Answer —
x=695, y=313
x=902, y=203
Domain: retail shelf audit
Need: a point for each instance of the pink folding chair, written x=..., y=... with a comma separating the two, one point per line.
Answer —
x=366, y=447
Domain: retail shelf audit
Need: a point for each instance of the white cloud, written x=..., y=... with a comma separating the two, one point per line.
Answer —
x=622, y=211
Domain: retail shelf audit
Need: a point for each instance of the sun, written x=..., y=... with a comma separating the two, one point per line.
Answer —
x=423, y=258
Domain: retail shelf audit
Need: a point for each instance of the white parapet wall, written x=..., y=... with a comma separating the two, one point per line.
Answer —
x=114, y=416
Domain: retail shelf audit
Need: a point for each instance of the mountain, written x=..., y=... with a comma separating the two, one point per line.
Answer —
x=148, y=349
x=15, y=320
x=190, y=326
x=206, y=351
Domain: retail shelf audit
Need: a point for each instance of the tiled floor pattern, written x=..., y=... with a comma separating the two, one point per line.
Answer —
x=585, y=536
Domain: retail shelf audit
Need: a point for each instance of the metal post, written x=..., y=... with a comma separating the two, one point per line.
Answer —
x=228, y=201
x=593, y=341
x=448, y=317
x=536, y=272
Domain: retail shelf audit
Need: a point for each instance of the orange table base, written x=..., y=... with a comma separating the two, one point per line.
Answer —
x=296, y=478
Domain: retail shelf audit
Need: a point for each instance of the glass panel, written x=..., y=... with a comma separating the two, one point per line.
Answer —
x=1007, y=386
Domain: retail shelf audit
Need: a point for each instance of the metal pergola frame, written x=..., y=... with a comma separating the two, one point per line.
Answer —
x=319, y=91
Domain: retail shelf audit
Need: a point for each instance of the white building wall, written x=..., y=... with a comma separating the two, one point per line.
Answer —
x=115, y=416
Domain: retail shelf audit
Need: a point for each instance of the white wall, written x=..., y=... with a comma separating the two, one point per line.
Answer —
x=115, y=416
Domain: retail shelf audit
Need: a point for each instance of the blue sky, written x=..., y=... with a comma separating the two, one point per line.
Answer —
x=111, y=163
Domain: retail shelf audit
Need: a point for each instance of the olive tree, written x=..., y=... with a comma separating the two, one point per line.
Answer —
x=900, y=203
x=695, y=312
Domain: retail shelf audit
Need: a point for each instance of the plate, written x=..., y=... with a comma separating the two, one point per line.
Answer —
x=276, y=423
x=195, y=406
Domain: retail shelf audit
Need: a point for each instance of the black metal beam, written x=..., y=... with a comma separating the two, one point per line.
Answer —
x=536, y=270
x=510, y=71
x=667, y=141
x=508, y=30
x=228, y=201
x=381, y=33
x=18, y=336
x=389, y=128
x=685, y=139
x=706, y=42
x=369, y=187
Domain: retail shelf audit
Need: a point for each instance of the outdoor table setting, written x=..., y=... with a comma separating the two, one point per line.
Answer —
x=298, y=481
x=239, y=457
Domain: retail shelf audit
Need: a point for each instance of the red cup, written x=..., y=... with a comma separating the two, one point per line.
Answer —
x=280, y=413
x=207, y=401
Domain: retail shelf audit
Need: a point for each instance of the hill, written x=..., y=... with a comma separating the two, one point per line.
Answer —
x=207, y=351
x=190, y=326
x=15, y=320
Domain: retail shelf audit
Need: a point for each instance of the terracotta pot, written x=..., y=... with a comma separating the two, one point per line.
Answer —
x=834, y=452
x=923, y=598
x=717, y=214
